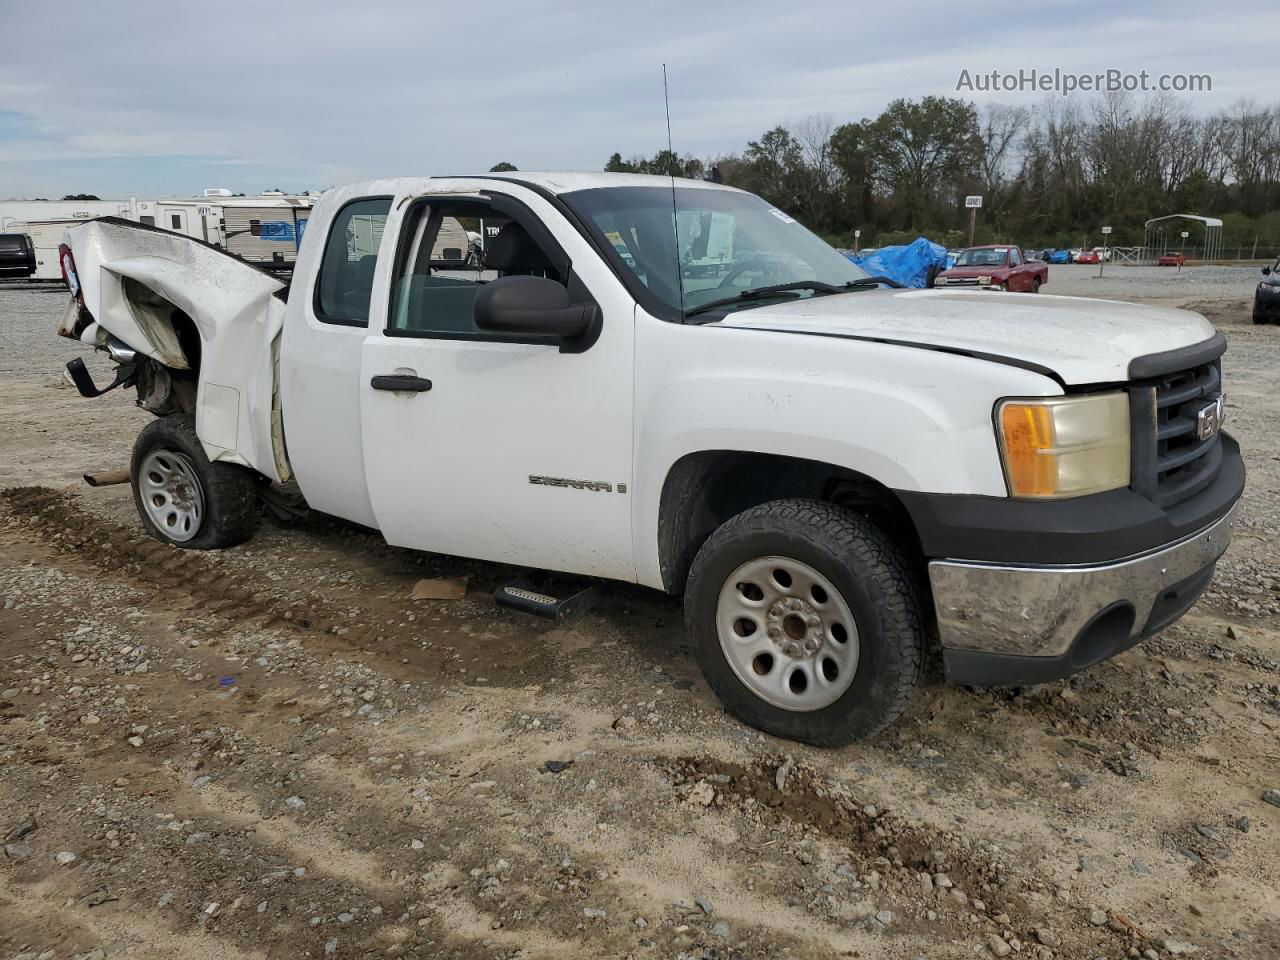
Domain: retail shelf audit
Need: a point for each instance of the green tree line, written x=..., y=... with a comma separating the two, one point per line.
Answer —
x=1051, y=175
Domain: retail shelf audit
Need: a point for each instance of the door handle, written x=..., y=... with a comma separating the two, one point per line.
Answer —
x=400, y=381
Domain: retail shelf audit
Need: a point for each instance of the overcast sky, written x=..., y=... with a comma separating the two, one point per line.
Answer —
x=167, y=98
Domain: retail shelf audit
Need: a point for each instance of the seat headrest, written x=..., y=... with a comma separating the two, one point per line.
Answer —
x=513, y=251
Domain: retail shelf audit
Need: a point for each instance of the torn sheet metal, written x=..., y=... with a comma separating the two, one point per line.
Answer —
x=133, y=277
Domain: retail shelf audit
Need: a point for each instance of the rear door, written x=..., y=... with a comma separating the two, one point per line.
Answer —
x=334, y=290
x=518, y=451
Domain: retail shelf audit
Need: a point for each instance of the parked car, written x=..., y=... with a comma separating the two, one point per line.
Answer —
x=1104, y=253
x=1172, y=260
x=1266, y=299
x=995, y=267
x=1058, y=256
x=1087, y=256
x=832, y=473
x=17, y=256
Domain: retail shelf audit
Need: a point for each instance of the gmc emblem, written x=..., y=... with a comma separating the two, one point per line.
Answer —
x=1209, y=419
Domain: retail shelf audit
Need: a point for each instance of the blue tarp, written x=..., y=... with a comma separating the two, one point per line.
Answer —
x=908, y=264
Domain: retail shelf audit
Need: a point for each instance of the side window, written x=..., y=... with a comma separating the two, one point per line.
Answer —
x=1015, y=259
x=175, y=221
x=147, y=221
x=448, y=252
x=345, y=284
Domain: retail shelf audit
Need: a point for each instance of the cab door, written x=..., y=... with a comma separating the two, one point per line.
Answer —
x=497, y=447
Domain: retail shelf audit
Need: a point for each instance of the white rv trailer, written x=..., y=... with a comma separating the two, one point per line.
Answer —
x=45, y=236
x=265, y=230
x=14, y=213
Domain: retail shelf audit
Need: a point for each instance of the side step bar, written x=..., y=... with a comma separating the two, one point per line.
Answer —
x=537, y=599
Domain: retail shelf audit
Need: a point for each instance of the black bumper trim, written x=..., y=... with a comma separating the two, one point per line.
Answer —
x=1098, y=528
x=1182, y=358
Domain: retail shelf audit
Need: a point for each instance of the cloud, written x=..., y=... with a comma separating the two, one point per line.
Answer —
x=154, y=97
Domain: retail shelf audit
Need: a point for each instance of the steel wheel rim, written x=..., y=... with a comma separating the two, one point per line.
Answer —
x=787, y=633
x=171, y=494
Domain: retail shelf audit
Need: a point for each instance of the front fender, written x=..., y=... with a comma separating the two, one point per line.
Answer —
x=909, y=418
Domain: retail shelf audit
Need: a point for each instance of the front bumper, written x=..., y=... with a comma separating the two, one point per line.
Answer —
x=1266, y=305
x=1010, y=625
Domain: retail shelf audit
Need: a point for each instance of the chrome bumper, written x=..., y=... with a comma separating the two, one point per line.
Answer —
x=1042, y=611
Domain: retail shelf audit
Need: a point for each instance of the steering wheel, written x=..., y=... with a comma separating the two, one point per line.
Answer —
x=740, y=269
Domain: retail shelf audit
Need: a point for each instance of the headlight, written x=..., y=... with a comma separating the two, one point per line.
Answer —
x=1065, y=446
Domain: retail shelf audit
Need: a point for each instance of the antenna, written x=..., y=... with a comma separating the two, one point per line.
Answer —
x=675, y=222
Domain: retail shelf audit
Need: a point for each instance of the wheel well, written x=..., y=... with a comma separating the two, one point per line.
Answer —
x=164, y=389
x=703, y=490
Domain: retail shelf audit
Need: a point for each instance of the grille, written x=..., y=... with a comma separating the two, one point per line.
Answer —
x=1170, y=461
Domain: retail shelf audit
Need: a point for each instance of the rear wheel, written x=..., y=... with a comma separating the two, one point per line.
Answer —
x=182, y=497
x=807, y=621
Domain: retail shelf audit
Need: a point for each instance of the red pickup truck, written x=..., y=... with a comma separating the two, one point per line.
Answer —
x=995, y=267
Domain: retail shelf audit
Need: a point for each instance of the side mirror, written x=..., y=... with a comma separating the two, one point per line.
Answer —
x=1266, y=271
x=531, y=307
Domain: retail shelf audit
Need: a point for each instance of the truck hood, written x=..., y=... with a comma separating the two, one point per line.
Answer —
x=1079, y=340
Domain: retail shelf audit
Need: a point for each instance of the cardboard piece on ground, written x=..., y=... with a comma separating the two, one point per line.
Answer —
x=444, y=588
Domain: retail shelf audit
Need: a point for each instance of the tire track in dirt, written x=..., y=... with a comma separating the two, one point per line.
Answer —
x=907, y=857
x=242, y=599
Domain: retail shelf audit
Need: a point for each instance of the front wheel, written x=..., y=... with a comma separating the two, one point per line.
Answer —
x=183, y=498
x=807, y=621
x=1035, y=285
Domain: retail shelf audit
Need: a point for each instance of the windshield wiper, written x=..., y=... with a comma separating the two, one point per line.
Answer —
x=865, y=283
x=817, y=286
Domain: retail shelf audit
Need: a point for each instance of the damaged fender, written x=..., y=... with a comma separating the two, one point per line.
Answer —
x=133, y=278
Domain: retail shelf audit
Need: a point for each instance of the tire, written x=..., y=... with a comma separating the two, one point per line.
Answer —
x=866, y=576
x=1035, y=285
x=182, y=498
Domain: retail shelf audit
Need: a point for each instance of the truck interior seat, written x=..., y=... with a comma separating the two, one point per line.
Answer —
x=513, y=252
x=359, y=286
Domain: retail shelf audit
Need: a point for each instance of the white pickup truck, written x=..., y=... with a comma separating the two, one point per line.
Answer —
x=676, y=384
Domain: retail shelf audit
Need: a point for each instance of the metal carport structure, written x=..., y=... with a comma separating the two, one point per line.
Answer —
x=1156, y=239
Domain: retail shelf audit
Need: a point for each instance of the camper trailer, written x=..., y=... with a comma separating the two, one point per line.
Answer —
x=264, y=230
x=45, y=236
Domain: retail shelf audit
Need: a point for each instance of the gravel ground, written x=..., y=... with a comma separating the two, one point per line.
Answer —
x=271, y=751
x=1122, y=282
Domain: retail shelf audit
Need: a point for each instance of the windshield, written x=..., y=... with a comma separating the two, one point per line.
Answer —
x=983, y=257
x=730, y=242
